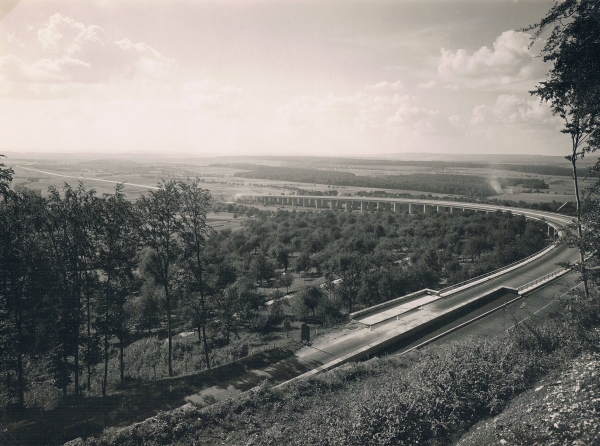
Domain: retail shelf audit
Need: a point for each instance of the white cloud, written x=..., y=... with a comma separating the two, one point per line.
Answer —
x=427, y=85
x=82, y=54
x=44, y=70
x=387, y=85
x=210, y=85
x=368, y=111
x=511, y=60
x=512, y=109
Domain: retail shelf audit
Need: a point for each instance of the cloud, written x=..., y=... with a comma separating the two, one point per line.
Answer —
x=369, y=111
x=80, y=53
x=512, y=109
x=209, y=85
x=43, y=71
x=427, y=85
x=211, y=97
x=387, y=85
x=511, y=60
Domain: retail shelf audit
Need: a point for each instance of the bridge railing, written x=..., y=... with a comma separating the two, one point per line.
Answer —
x=497, y=271
x=542, y=279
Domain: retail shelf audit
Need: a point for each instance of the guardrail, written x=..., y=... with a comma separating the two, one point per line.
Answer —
x=497, y=271
x=542, y=279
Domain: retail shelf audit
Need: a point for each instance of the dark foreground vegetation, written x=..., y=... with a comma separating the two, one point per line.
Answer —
x=95, y=289
x=431, y=397
x=88, y=282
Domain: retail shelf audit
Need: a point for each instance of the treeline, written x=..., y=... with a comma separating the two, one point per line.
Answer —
x=528, y=183
x=71, y=265
x=538, y=169
x=468, y=185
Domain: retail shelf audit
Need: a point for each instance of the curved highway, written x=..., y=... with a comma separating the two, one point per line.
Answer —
x=515, y=278
x=410, y=315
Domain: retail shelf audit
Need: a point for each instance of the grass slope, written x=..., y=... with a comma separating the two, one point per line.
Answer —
x=432, y=397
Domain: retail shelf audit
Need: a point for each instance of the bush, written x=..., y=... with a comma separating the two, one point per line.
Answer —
x=429, y=397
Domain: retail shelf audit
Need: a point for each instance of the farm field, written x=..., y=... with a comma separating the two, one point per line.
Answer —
x=226, y=183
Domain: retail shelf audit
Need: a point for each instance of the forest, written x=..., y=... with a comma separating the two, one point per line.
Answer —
x=538, y=169
x=88, y=281
x=468, y=185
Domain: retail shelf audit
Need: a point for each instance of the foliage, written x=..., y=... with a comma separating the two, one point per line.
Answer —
x=158, y=213
x=428, y=398
x=6, y=176
x=572, y=85
x=363, y=162
x=469, y=185
x=528, y=183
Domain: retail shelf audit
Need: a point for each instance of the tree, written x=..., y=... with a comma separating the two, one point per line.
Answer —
x=158, y=213
x=146, y=308
x=70, y=225
x=24, y=282
x=572, y=87
x=6, y=176
x=261, y=267
x=117, y=250
x=287, y=280
x=349, y=268
x=195, y=203
x=311, y=296
x=590, y=220
x=281, y=256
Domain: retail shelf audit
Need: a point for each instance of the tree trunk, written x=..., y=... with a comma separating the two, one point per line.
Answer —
x=168, y=300
x=77, y=358
x=76, y=330
x=64, y=372
x=121, y=361
x=579, y=231
x=105, y=380
x=106, y=313
x=201, y=283
x=205, y=346
x=89, y=341
x=20, y=380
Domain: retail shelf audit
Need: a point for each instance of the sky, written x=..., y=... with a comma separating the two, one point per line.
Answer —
x=273, y=77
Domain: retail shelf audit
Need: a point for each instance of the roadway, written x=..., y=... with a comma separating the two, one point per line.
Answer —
x=432, y=312
x=558, y=219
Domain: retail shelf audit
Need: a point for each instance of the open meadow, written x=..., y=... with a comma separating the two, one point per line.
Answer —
x=544, y=179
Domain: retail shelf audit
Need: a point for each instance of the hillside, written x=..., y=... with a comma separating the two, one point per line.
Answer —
x=433, y=397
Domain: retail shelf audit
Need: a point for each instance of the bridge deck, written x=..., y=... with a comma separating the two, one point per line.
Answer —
x=398, y=310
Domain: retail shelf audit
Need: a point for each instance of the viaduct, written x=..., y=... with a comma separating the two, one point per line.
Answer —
x=406, y=205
